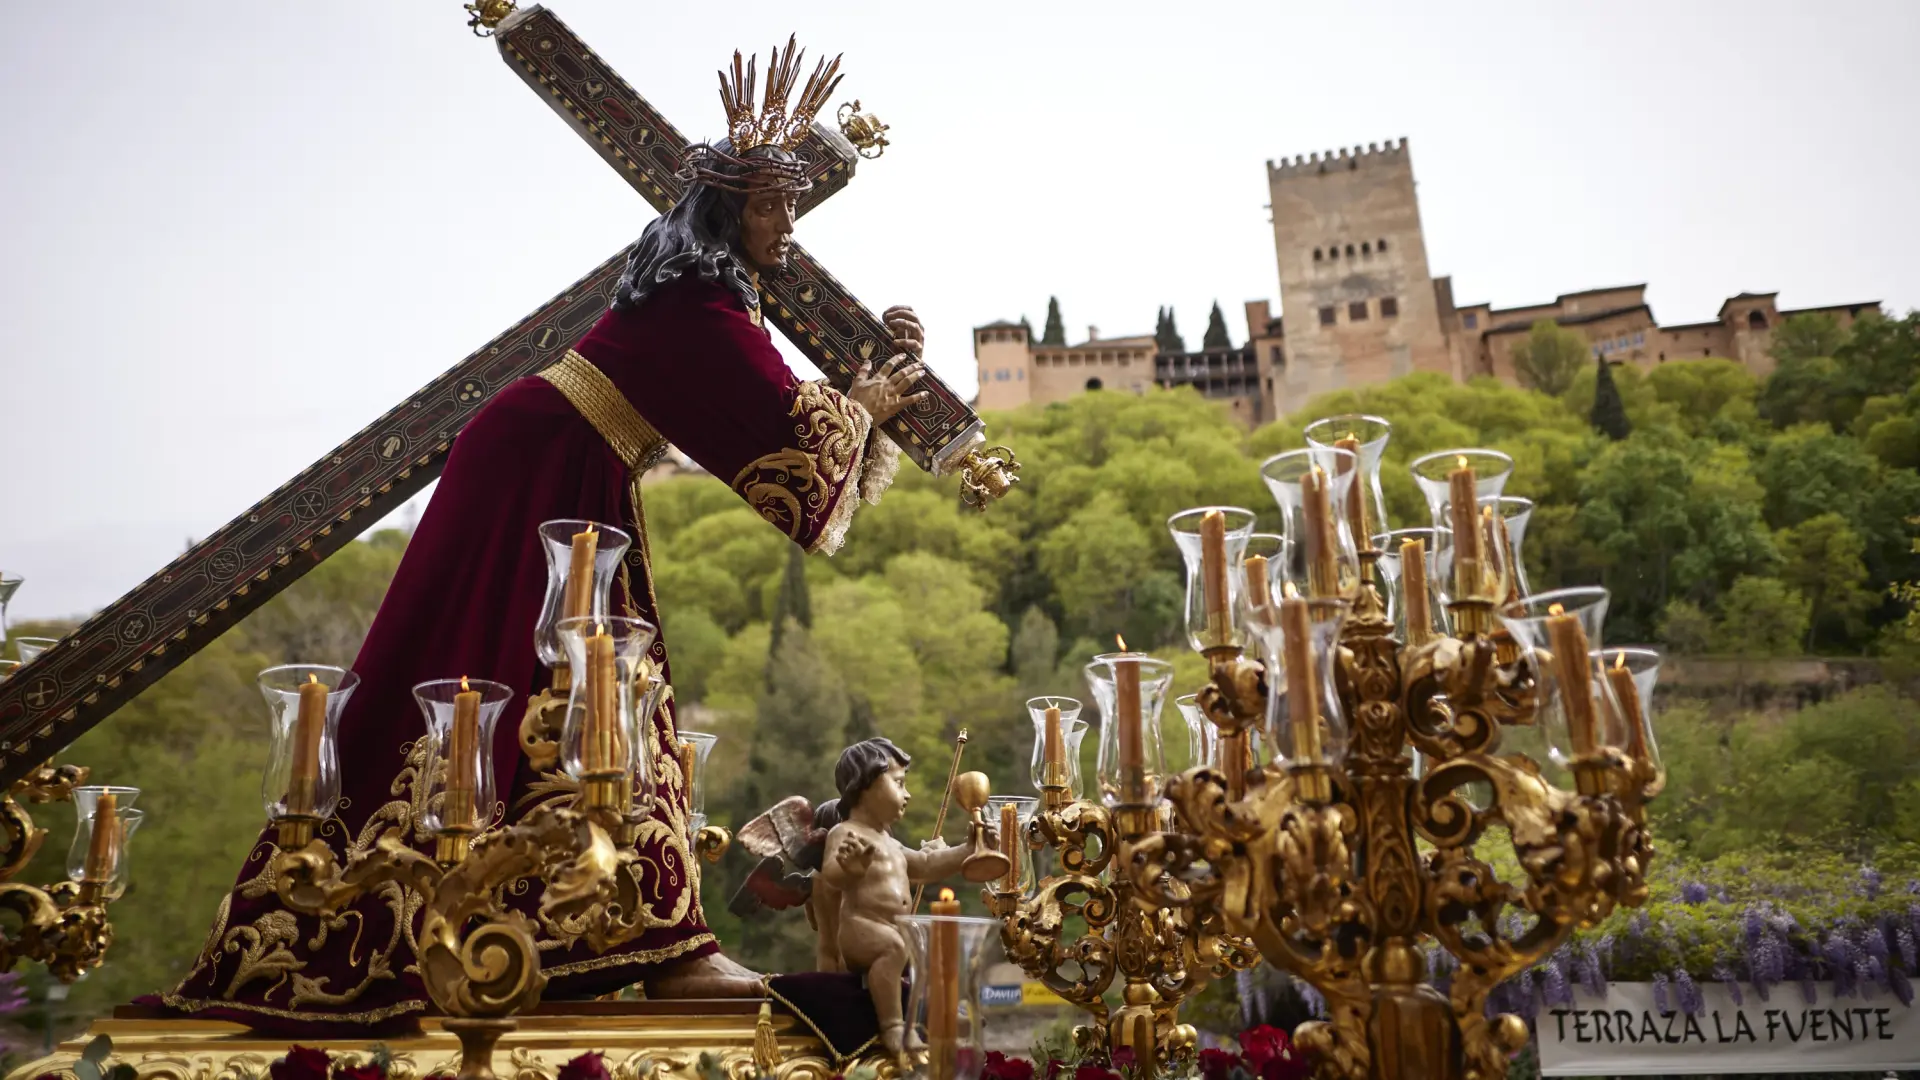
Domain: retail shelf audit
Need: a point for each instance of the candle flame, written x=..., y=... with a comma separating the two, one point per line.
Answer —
x=946, y=896
x=1556, y=609
x=1460, y=461
x=599, y=628
x=1620, y=660
x=1287, y=591
x=1122, y=641
x=463, y=684
x=311, y=677
x=1351, y=435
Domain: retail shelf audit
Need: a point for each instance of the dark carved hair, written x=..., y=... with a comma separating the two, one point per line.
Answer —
x=859, y=766
x=698, y=234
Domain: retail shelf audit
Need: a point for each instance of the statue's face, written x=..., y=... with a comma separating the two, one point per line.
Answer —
x=887, y=799
x=766, y=229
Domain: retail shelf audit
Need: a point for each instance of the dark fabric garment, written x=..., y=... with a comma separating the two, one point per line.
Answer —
x=465, y=599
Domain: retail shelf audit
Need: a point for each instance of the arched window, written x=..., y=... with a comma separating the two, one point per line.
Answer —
x=1756, y=321
x=1380, y=245
x=1333, y=252
x=1093, y=383
x=1349, y=251
x=1366, y=248
x=1316, y=255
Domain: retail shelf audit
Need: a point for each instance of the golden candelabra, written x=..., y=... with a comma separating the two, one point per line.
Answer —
x=1162, y=954
x=63, y=926
x=1337, y=863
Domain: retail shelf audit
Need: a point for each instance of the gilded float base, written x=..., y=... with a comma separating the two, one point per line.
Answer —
x=670, y=1035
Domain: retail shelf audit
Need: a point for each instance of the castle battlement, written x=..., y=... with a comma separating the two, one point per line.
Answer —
x=1373, y=154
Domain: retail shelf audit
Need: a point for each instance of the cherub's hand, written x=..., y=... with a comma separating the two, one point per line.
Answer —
x=855, y=855
x=933, y=845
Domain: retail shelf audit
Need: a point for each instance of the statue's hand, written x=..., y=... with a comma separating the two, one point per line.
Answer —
x=934, y=845
x=884, y=392
x=908, y=335
x=855, y=855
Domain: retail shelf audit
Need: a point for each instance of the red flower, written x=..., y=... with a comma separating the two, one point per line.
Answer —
x=1054, y=1068
x=368, y=1071
x=1217, y=1064
x=1001, y=1067
x=1290, y=1065
x=1091, y=1071
x=1262, y=1044
x=302, y=1063
x=585, y=1067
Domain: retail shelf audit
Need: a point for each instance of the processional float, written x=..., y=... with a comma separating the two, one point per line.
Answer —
x=80, y=680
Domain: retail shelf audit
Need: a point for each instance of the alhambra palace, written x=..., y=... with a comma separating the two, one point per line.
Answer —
x=1359, y=306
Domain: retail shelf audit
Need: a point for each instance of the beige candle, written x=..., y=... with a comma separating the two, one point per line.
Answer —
x=580, y=574
x=310, y=722
x=463, y=753
x=943, y=979
x=1627, y=692
x=603, y=704
x=1356, y=498
x=1053, y=750
x=1568, y=642
x=104, y=839
x=1303, y=708
x=1213, y=575
x=1010, y=846
x=1259, y=585
x=1413, y=588
x=1466, y=531
x=689, y=758
x=1126, y=708
x=1317, y=509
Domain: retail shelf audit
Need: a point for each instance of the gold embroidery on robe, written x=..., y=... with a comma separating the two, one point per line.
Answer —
x=834, y=443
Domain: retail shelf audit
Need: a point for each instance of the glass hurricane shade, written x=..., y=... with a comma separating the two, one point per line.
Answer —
x=1073, y=731
x=1578, y=713
x=1433, y=474
x=1499, y=554
x=1186, y=529
x=302, y=777
x=1297, y=734
x=454, y=755
x=1371, y=433
x=1203, y=739
x=8, y=586
x=7, y=668
x=702, y=747
x=1642, y=665
x=1024, y=807
x=1284, y=475
x=31, y=647
x=592, y=744
x=86, y=803
x=1389, y=545
x=1125, y=782
x=943, y=1005
x=556, y=539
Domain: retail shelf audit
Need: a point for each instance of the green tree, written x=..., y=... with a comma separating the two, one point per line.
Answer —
x=1166, y=334
x=1761, y=617
x=793, y=602
x=1550, y=357
x=1685, y=628
x=1822, y=562
x=1056, y=332
x=1710, y=397
x=1609, y=415
x=1803, y=337
x=1216, y=337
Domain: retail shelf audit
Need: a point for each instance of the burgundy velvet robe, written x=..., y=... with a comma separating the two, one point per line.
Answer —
x=698, y=366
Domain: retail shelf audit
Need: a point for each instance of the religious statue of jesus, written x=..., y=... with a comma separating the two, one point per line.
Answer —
x=682, y=357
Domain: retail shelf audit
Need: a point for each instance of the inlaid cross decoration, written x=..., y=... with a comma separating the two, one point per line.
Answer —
x=138, y=638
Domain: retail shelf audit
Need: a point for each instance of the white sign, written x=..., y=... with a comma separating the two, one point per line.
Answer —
x=1623, y=1034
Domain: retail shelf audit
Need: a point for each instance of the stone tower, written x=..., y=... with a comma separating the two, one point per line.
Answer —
x=1005, y=358
x=1357, y=302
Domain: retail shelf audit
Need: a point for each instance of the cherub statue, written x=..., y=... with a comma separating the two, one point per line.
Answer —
x=864, y=875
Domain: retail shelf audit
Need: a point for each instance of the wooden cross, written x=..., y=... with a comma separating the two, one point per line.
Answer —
x=173, y=614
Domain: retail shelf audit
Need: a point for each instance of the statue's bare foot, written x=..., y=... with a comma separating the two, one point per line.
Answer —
x=915, y=1044
x=709, y=976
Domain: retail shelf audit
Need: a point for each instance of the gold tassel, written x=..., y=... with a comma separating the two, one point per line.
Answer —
x=766, y=1047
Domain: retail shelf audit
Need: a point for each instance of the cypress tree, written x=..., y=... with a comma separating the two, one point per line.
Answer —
x=1166, y=334
x=1056, y=331
x=1216, y=331
x=1609, y=415
x=792, y=601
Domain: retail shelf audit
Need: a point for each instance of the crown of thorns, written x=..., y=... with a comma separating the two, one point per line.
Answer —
x=707, y=164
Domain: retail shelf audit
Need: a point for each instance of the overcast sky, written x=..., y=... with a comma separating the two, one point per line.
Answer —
x=237, y=230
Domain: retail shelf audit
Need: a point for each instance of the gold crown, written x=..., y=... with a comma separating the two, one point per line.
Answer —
x=775, y=125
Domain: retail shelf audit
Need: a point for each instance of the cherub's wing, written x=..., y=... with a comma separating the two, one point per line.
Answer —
x=781, y=831
x=770, y=887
